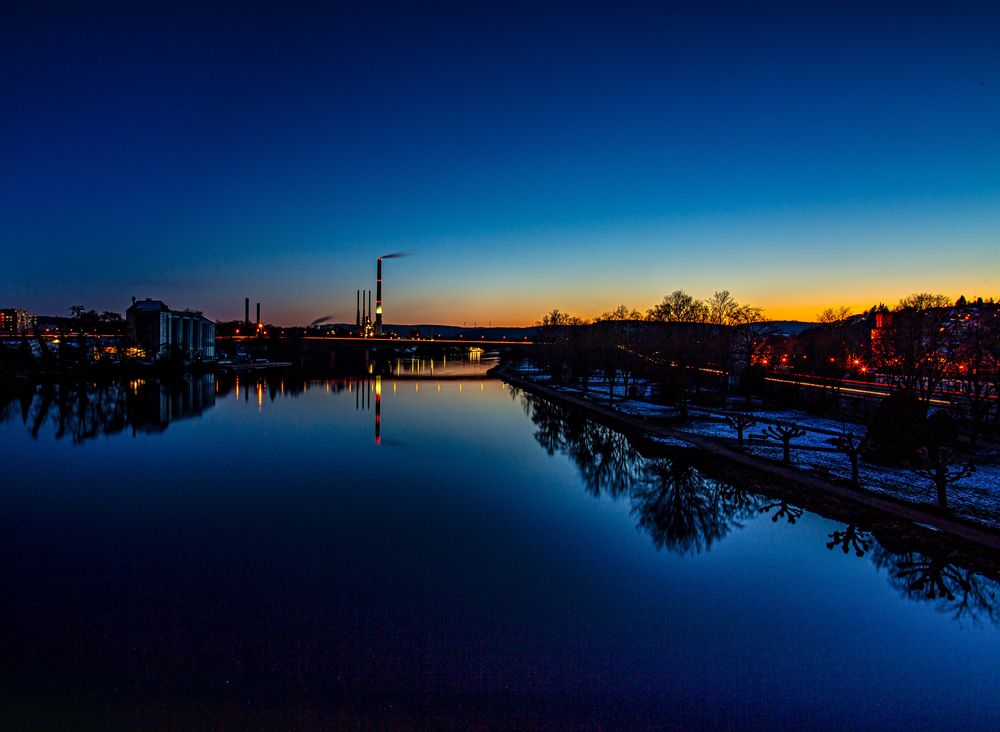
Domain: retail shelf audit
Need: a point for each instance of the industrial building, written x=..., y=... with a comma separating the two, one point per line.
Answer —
x=158, y=330
x=15, y=320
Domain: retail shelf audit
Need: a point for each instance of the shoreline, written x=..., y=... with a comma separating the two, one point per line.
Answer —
x=637, y=426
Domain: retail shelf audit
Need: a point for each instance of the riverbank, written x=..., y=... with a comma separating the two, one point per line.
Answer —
x=644, y=428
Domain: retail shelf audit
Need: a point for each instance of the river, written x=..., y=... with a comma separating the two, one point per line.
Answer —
x=434, y=549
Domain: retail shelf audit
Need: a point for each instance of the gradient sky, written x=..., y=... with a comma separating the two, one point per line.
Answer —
x=799, y=156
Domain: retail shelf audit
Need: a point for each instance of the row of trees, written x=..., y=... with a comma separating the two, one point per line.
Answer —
x=685, y=511
x=682, y=343
x=931, y=349
x=924, y=345
x=677, y=307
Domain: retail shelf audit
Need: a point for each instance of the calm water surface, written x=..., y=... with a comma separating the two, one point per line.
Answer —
x=441, y=551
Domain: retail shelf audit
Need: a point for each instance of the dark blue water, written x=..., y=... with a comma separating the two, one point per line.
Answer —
x=214, y=555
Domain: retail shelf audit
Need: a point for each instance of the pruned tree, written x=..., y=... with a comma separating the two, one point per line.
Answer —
x=942, y=466
x=741, y=422
x=849, y=444
x=784, y=432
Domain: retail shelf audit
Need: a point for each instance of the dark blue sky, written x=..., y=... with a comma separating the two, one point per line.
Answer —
x=530, y=157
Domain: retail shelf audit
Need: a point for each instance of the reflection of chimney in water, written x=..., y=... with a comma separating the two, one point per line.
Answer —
x=378, y=408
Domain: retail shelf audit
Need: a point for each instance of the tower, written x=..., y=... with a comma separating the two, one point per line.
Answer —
x=378, y=299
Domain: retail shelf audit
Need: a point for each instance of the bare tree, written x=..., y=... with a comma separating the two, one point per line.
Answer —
x=752, y=329
x=785, y=432
x=557, y=318
x=679, y=307
x=741, y=422
x=911, y=349
x=622, y=312
x=924, y=301
x=834, y=315
x=974, y=367
x=850, y=444
x=942, y=467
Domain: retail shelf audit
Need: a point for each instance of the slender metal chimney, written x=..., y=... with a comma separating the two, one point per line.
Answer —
x=258, y=313
x=369, y=306
x=378, y=299
x=357, y=322
x=246, y=311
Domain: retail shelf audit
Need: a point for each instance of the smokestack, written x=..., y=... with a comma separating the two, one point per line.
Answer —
x=258, y=313
x=246, y=311
x=358, y=318
x=369, y=306
x=378, y=299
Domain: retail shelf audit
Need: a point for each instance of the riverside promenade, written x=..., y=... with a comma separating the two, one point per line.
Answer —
x=642, y=427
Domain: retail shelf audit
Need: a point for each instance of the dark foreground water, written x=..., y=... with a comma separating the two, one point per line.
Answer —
x=443, y=554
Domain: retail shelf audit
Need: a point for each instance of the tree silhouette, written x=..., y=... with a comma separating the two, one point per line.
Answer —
x=935, y=578
x=938, y=464
x=741, y=422
x=783, y=509
x=850, y=444
x=683, y=511
x=851, y=538
x=785, y=432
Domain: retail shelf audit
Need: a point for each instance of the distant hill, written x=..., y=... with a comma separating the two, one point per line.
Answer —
x=791, y=327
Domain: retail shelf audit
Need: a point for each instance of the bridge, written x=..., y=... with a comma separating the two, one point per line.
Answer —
x=404, y=342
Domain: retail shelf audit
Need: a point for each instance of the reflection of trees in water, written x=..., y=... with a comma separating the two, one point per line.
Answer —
x=679, y=507
x=686, y=512
x=683, y=510
x=782, y=510
x=77, y=411
x=851, y=538
x=935, y=578
x=84, y=411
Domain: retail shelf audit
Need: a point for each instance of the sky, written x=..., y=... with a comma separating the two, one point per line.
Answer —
x=528, y=156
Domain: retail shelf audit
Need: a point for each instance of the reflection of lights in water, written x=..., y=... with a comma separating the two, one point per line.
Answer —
x=482, y=386
x=416, y=386
x=394, y=387
x=439, y=387
x=460, y=386
x=260, y=396
x=282, y=387
x=237, y=388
